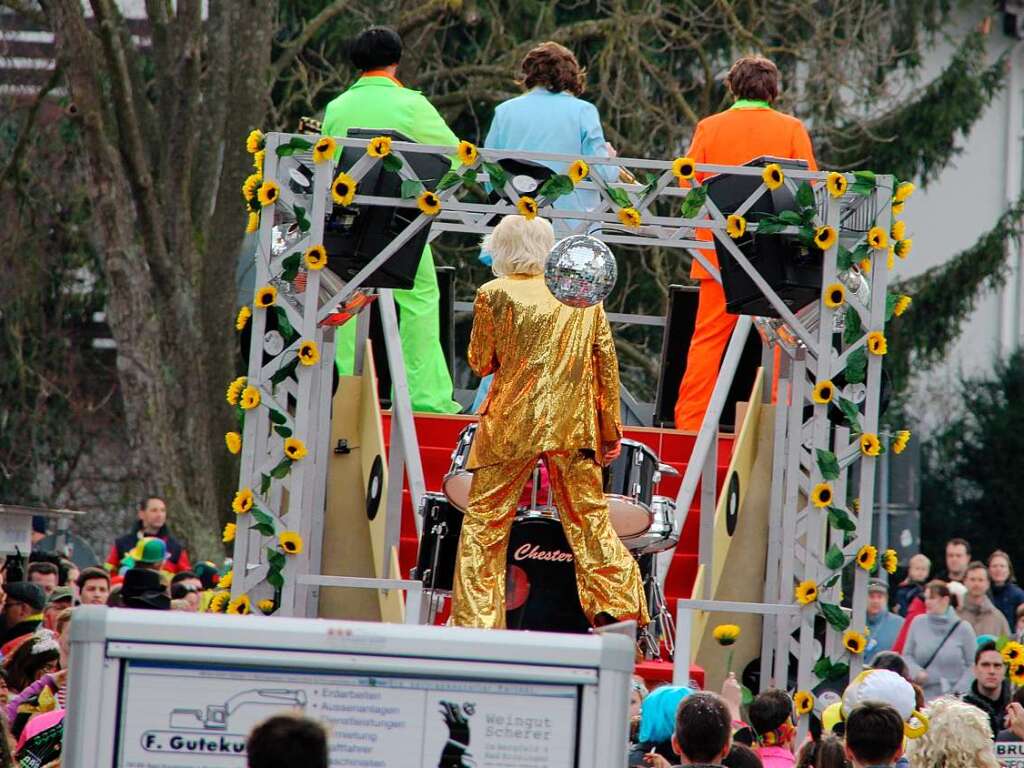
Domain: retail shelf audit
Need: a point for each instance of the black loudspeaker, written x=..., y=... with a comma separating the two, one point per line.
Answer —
x=354, y=234
x=789, y=265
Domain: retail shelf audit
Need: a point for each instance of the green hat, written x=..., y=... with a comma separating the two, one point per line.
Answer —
x=149, y=550
x=61, y=593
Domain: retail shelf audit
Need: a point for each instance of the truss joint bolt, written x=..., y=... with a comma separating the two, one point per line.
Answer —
x=342, y=448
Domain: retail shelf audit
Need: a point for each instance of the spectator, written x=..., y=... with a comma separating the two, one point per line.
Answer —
x=185, y=597
x=94, y=586
x=39, y=654
x=59, y=600
x=940, y=646
x=49, y=690
x=38, y=529
x=959, y=736
x=287, y=740
x=188, y=578
x=45, y=574
x=208, y=574
x=883, y=625
x=658, y=723
x=23, y=613
x=742, y=756
x=913, y=586
x=958, y=555
x=770, y=715
x=142, y=588
x=5, y=690
x=1006, y=595
x=1018, y=628
x=990, y=691
x=893, y=662
x=68, y=572
x=827, y=752
x=152, y=522
x=977, y=609
x=703, y=733
x=149, y=554
x=874, y=735
x=1014, y=730
x=637, y=694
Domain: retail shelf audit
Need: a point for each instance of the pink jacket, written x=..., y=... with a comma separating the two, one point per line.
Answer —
x=776, y=757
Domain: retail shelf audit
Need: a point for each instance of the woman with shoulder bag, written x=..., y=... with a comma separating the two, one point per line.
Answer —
x=940, y=646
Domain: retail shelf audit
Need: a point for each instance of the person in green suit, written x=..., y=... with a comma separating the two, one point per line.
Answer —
x=378, y=100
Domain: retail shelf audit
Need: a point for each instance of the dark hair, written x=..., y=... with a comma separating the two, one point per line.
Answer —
x=754, y=77
x=958, y=542
x=742, y=756
x=989, y=645
x=91, y=573
x=1018, y=696
x=891, y=661
x=374, y=48
x=554, y=67
x=1009, y=564
x=23, y=665
x=941, y=588
x=703, y=726
x=1019, y=613
x=182, y=575
x=287, y=740
x=179, y=590
x=826, y=752
x=144, y=501
x=43, y=567
x=977, y=565
x=874, y=733
x=769, y=710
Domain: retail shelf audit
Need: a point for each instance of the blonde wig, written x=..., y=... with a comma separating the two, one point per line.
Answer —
x=959, y=736
x=519, y=246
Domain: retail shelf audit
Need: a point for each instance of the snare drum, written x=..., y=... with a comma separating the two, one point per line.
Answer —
x=459, y=480
x=662, y=533
x=629, y=488
x=439, y=544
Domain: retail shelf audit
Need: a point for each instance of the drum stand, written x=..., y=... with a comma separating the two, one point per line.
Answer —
x=662, y=625
x=435, y=597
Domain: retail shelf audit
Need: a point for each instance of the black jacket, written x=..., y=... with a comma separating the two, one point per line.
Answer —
x=26, y=627
x=177, y=557
x=996, y=710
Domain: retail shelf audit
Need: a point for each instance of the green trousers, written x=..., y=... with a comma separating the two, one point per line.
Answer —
x=430, y=383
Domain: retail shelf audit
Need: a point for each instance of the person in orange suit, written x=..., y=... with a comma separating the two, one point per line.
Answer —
x=750, y=128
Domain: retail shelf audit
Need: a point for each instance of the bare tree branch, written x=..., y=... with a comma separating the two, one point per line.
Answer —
x=294, y=47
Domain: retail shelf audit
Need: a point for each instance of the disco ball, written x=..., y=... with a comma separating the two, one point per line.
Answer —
x=580, y=271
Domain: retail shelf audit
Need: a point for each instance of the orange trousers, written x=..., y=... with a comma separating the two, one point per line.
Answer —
x=711, y=334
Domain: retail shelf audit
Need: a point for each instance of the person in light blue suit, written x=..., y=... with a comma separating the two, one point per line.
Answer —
x=550, y=117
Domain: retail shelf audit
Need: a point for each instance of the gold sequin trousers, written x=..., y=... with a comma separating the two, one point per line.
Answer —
x=607, y=576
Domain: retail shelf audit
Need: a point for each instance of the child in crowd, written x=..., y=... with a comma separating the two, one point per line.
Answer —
x=770, y=715
x=828, y=751
x=874, y=735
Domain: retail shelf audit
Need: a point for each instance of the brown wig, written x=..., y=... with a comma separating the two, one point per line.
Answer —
x=554, y=67
x=754, y=77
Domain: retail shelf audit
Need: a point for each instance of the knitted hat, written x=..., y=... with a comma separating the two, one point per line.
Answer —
x=149, y=550
x=26, y=592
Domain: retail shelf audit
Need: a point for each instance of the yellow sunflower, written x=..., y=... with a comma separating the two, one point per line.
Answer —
x=257, y=160
x=290, y=542
x=229, y=533
x=252, y=224
x=870, y=445
x=315, y=257
x=903, y=191
x=823, y=393
x=735, y=226
x=527, y=207
x=1013, y=653
x=773, y=176
x=235, y=390
x=254, y=141
x=324, y=149
x=250, y=398
x=266, y=606
x=877, y=238
x=902, y=305
x=1017, y=674
x=268, y=193
x=578, y=171
x=825, y=237
x=904, y=247
x=467, y=153
x=294, y=448
x=890, y=561
x=379, y=146
x=240, y=606
x=867, y=556
x=242, y=502
x=630, y=217
x=900, y=441
x=242, y=318
x=726, y=634
x=683, y=167
x=821, y=495
x=266, y=296
x=897, y=208
x=834, y=295
x=806, y=592
x=865, y=265
x=854, y=641
x=836, y=183
x=251, y=186
x=343, y=189
x=219, y=602
x=890, y=260
x=226, y=580
x=233, y=440
x=803, y=702
x=899, y=230
x=429, y=203
x=877, y=344
x=308, y=353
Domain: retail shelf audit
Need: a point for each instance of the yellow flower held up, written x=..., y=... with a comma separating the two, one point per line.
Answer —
x=379, y=146
x=290, y=542
x=240, y=606
x=876, y=343
x=308, y=353
x=904, y=247
x=877, y=238
x=242, y=318
x=268, y=193
x=578, y=171
x=467, y=153
x=266, y=296
x=773, y=176
x=294, y=448
x=726, y=634
x=854, y=642
x=324, y=149
x=834, y=295
x=870, y=445
x=315, y=257
x=806, y=592
x=527, y=207
x=823, y=393
x=250, y=398
x=229, y=533
x=735, y=226
x=233, y=440
x=836, y=184
x=899, y=442
x=242, y=502
x=684, y=167
x=821, y=495
x=903, y=191
x=902, y=305
x=630, y=217
x=254, y=141
x=343, y=189
x=252, y=224
x=825, y=237
x=803, y=702
x=890, y=561
x=429, y=203
x=867, y=556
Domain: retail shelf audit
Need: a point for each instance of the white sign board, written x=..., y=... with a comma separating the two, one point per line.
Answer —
x=1010, y=754
x=15, y=533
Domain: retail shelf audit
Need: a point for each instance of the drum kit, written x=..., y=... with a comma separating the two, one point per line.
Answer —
x=541, y=591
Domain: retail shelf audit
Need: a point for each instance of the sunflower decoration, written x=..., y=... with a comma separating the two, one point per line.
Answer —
x=578, y=171
x=684, y=168
x=315, y=257
x=429, y=203
x=902, y=305
x=240, y=606
x=630, y=217
x=343, y=189
x=864, y=265
x=266, y=296
x=773, y=176
x=268, y=192
x=806, y=592
x=870, y=445
x=257, y=160
x=243, y=501
x=1016, y=673
x=825, y=237
x=527, y=207
x=290, y=542
x=877, y=344
x=803, y=701
x=226, y=580
x=233, y=440
x=867, y=556
x=309, y=354
x=242, y=318
x=899, y=442
x=294, y=448
x=726, y=634
x=877, y=238
x=823, y=393
x=899, y=230
x=821, y=495
x=250, y=398
x=836, y=183
x=854, y=642
x=219, y=602
x=903, y=191
x=897, y=208
x=1013, y=653
x=253, y=223
x=834, y=295
x=235, y=390
x=324, y=149
x=467, y=152
x=251, y=186
x=904, y=247
x=379, y=146
x=255, y=141
x=266, y=606
x=228, y=536
x=890, y=561
x=890, y=260
x=735, y=226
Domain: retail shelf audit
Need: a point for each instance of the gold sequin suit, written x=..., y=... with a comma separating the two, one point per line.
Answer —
x=555, y=394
